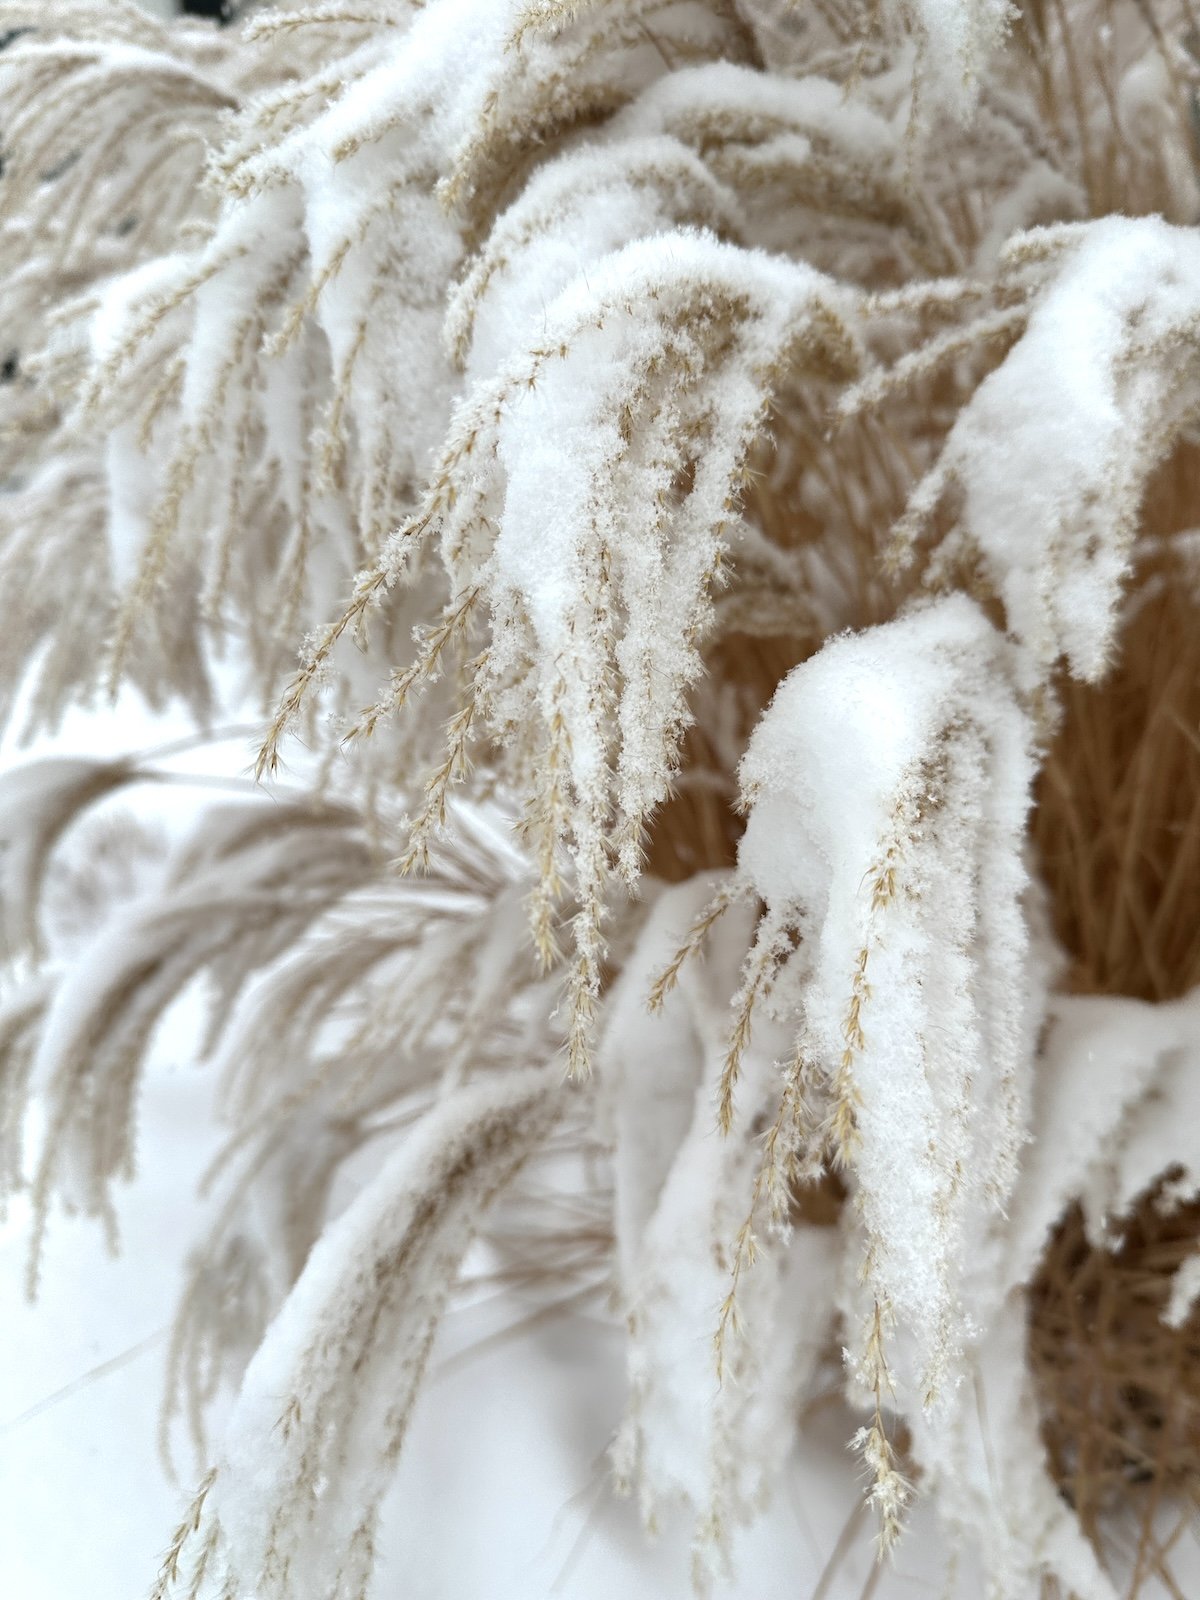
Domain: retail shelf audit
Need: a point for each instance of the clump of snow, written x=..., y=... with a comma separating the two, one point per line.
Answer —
x=888, y=784
x=1052, y=452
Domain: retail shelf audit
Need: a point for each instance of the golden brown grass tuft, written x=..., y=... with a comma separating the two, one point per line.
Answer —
x=1120, y=1390
x=1117, y=828
x=1117, y=824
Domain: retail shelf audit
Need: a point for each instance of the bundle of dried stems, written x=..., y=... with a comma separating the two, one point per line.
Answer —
x=730, y=470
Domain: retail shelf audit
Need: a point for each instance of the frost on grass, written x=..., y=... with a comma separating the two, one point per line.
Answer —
x=615, y=405
x=679, y=1202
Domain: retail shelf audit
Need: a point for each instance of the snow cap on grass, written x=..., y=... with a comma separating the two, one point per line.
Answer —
x=888, y=784
x=1052, y=452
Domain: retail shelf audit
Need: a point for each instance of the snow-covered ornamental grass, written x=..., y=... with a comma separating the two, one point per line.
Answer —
x=729, y=469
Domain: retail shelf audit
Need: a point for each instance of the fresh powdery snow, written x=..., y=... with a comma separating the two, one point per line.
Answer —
x=658, y=474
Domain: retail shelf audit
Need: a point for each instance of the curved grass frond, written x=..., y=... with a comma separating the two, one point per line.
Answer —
x=729, y=473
